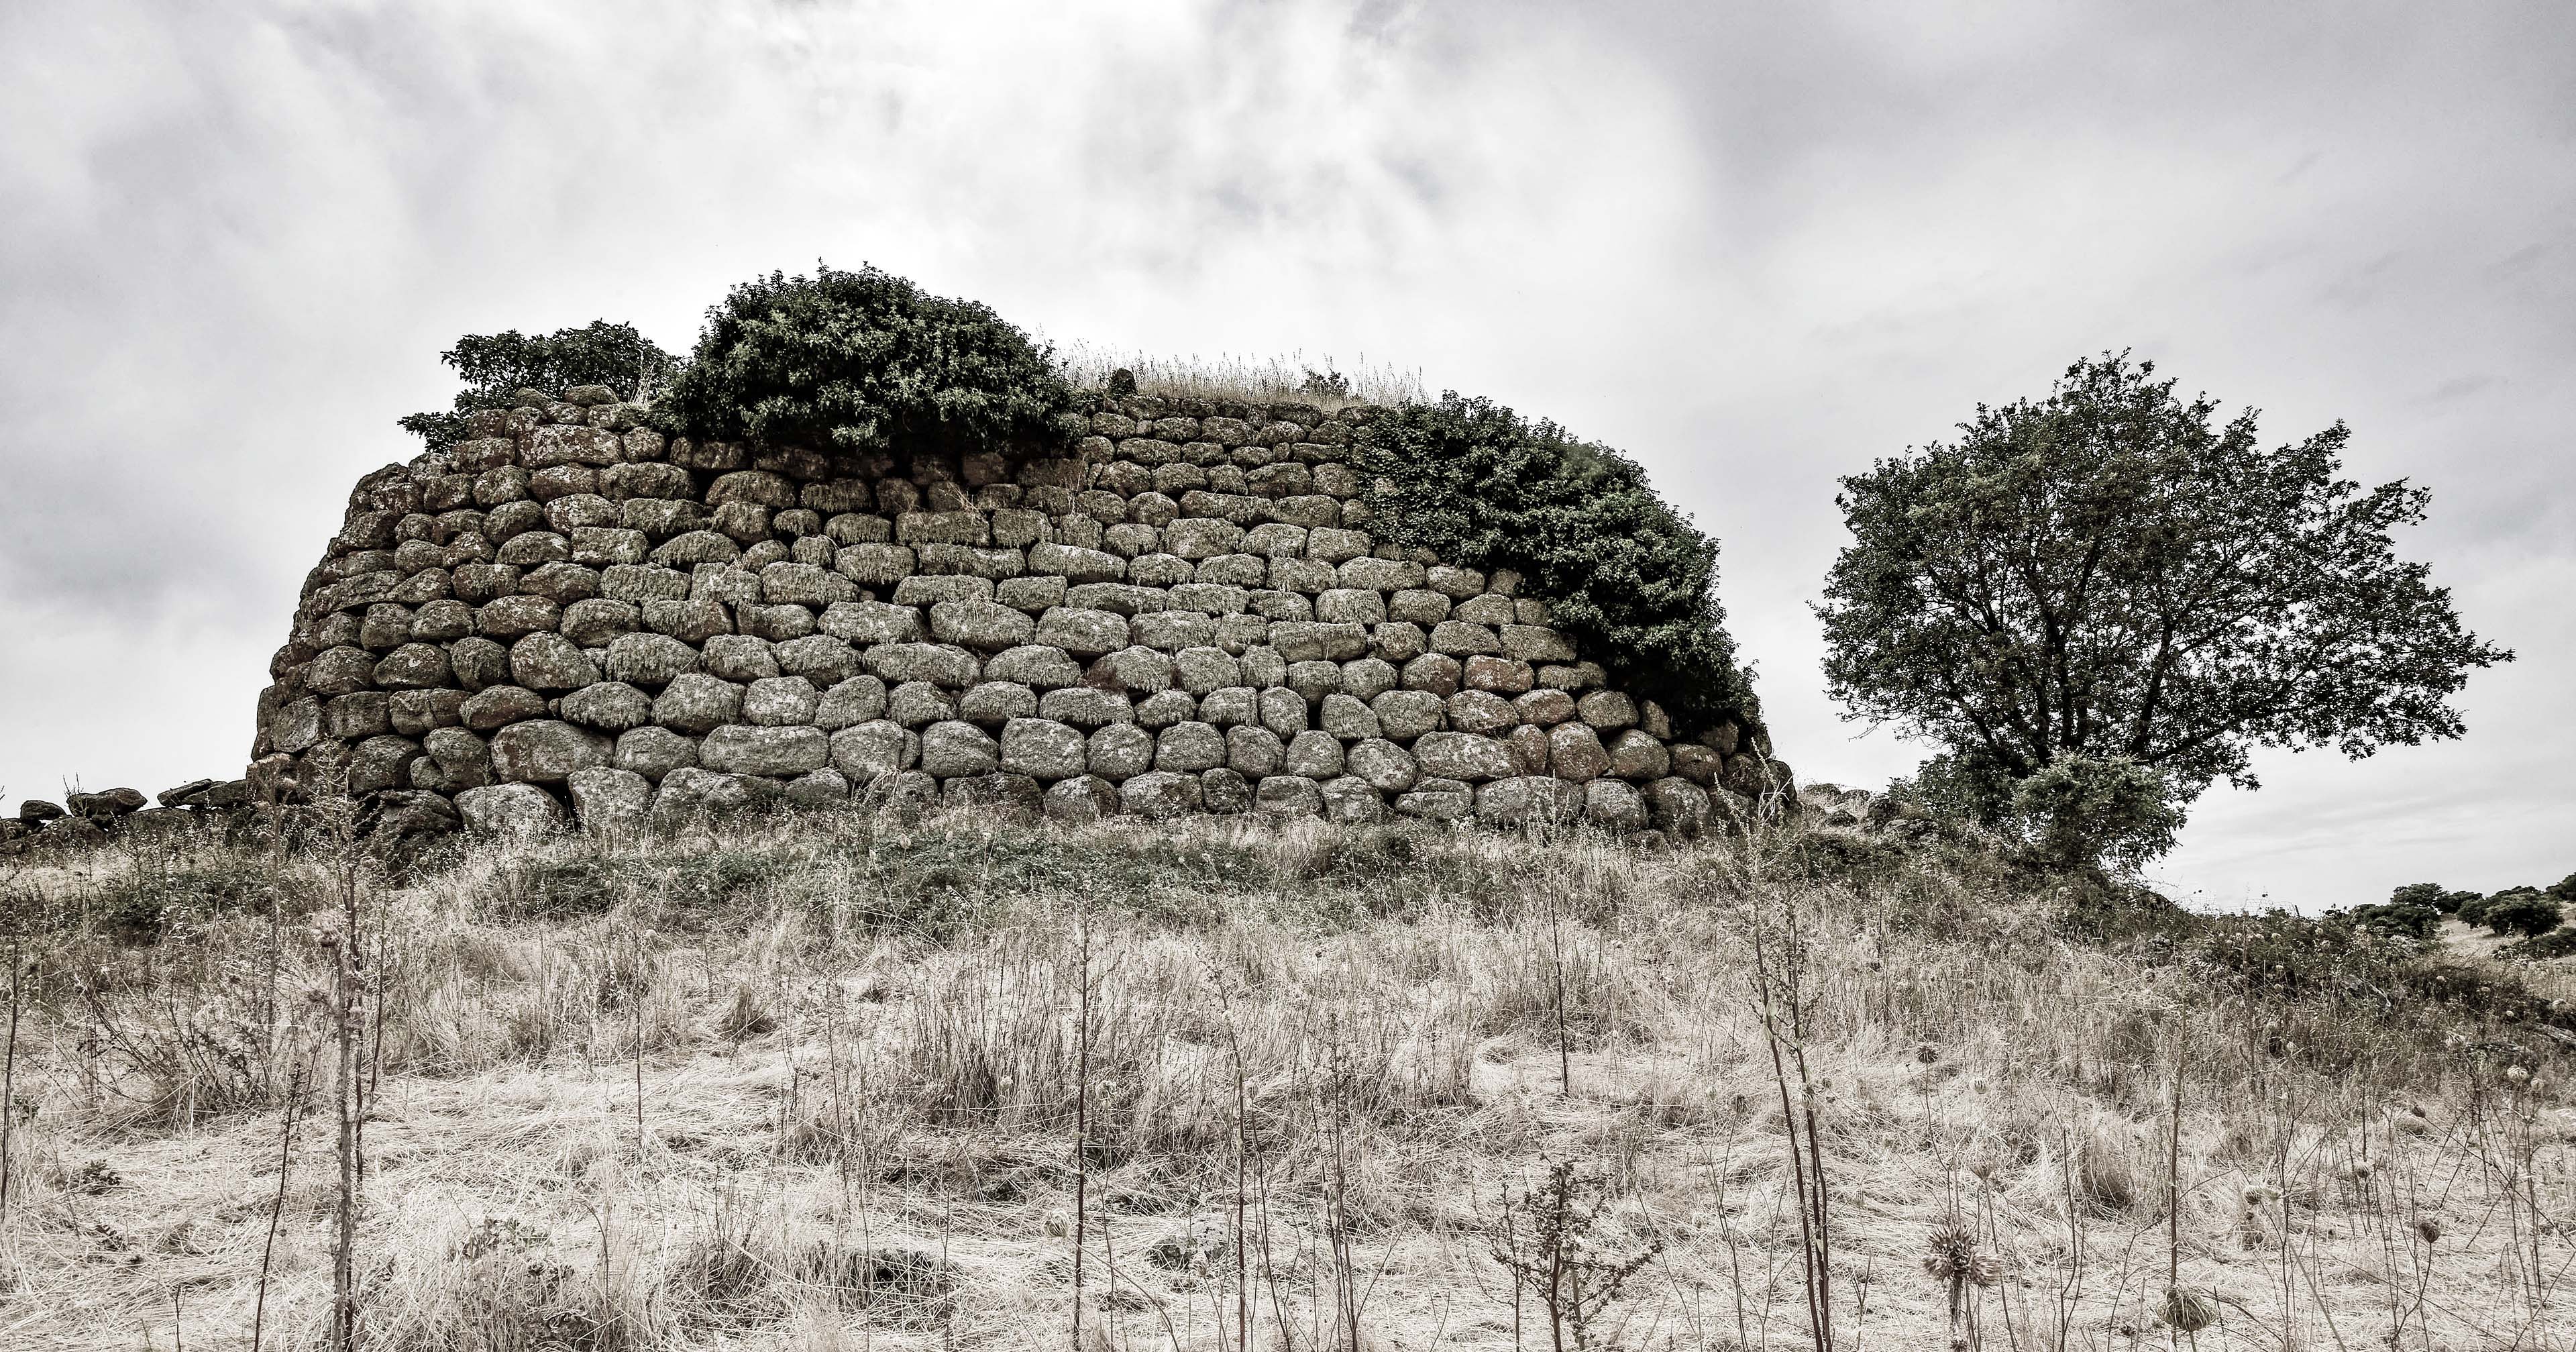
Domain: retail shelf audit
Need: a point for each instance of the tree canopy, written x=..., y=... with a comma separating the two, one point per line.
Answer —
x=2111, y=572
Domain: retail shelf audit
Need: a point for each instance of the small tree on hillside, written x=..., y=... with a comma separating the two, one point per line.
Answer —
x=2524, y=911
x=496, y=366
x=2424, y=894
x=2108, y=573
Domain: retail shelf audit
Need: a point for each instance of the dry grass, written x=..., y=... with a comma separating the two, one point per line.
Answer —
x=1295, y=378
x=1318, y=1060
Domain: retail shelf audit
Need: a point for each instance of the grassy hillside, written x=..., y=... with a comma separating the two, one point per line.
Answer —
x=823, y=1082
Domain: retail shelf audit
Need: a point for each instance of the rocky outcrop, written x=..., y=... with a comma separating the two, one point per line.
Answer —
x=567, y=615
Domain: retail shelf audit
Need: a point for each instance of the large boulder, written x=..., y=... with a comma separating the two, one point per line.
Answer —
x=1043, y=749
x=546, y=751
x=693, y=794
x=1081, y=800
x=1160, y=795
x=778, y=752
x=510, y=811
x=1529, y=800
x=610, y=802
x=1462, y=756
x=954, y=749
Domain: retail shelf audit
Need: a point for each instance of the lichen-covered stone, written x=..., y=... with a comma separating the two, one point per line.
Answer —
x=1080, y=800
x=874, y=750
x=1462, y=756
x=1678, y=806
x=1382, y=764
x=1352, y=801
x=1615, y=805
x=1607, y=710
x=654, y=752
x=1119, y=751
x=780, y=701
x=1159, y=795
x=1283, y=711
x=510, y=811
x=1189, y=747
x=610, y=801
x=648, y=661
x=1288, y=796
x=1529, y=800
x=1230, y=706
x=1043, y=749
x=544, y=751
x=953, y=748
x=698, y=703
x=1083, y=633
x=741, y=748
x=940, y=664
x=1638, y=755
x=1133, y=670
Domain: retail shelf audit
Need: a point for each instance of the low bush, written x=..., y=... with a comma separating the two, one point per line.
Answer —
x=2557, y=943
x=1620, y=568
x=2412, y=920
x=496, y=366
x=2526, y=911
x=148, y=905
x=866, y=362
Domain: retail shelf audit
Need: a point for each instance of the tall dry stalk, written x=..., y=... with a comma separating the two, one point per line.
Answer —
x=344, y=940
x=1556, y=982
x=1781, y=1000
x=1081, y=1105
x=9, y=1082
x=277, y=1203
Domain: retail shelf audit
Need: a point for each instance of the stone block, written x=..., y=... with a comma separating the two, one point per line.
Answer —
x=654, y=752
x=1086, y=707
x=1118, y=752
x=1462, y=756
x=1529, y=800
x=1043, y=749
x=1160, y=795
x=697, y=703
x=1288, y=796
x=875, y=750
x=544, y=751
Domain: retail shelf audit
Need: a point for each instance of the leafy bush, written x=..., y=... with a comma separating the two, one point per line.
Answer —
x=1621, y=569
x=2564, y=889
x=864, y=361
x=2422, y=894
x=2526, y=911
x=2084, y=811
x=2410, y=919
x=496, y=366
x=2285, y=954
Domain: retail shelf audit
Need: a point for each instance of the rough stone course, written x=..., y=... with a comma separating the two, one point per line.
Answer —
x=561, y=622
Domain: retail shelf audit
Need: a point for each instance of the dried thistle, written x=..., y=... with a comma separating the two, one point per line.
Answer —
x=2189, y=1309
x=1951, y=1255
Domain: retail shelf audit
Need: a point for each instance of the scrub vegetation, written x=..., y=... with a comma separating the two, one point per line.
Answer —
x=829, y=1079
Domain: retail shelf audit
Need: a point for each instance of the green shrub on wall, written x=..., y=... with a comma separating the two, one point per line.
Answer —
x=864, y=361
x=496, y=366
x=1619, y=568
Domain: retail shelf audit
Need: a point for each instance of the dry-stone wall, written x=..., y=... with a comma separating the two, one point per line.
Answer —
x=1186, y=614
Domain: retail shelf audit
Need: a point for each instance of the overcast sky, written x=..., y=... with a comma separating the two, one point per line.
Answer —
x=1755, y=246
